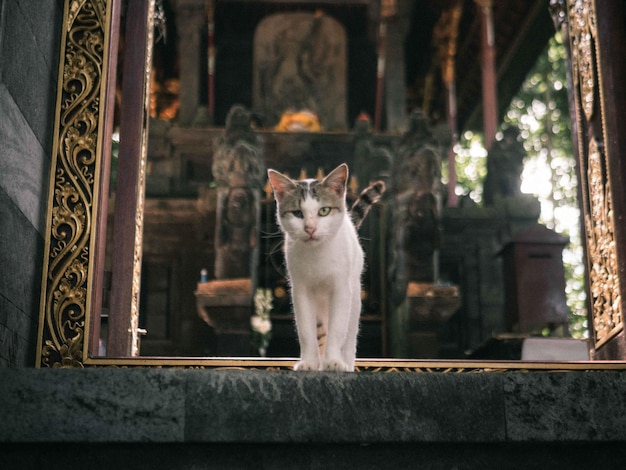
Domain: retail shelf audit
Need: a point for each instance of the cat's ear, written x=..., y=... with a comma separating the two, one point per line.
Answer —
x=280, y=183
x=336, y=179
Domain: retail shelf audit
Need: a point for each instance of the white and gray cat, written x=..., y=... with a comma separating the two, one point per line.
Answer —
x=324, y=260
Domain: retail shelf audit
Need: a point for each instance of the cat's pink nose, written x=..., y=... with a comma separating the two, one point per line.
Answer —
x=309, y=230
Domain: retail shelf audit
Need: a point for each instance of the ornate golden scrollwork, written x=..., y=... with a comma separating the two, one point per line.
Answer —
x=66, y=271
x=445, y=37
x=598, y=206
x=603, y=270
x=583, y=31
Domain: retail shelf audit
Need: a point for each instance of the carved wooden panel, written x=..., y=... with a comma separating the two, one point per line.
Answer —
x=595, y=43
x=69, y=257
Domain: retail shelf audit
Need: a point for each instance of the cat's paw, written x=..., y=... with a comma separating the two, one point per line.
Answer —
x=305, y=365
x=336, y=365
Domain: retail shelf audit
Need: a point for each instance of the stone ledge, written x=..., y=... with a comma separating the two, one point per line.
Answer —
x=233, y=406
x=422, y=456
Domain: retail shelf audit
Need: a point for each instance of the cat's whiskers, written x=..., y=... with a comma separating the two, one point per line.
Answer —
x=276, y=236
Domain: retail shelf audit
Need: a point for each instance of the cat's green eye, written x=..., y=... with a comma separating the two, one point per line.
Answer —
x=298, y=214
x=324, y=211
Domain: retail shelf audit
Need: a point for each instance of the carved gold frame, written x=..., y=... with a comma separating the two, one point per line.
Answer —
x=75, y=208
x=597, y=199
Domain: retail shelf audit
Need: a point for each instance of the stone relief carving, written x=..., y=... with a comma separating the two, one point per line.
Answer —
x=300, y=64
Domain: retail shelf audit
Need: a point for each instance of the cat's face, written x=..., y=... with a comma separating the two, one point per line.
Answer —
x=310, y=211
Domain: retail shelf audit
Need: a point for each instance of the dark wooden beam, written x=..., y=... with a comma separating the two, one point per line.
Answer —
x=102, y=201
x=133, y=131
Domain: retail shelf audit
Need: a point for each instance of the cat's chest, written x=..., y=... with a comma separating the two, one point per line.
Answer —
x=337, y=259
x=303, y=253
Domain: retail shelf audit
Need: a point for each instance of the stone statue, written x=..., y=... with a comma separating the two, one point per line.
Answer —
x=239, y=172
x=505, y=163
x=225, y=303
x=416, y=189
x=371, y=162
x=237, y=131
x=420, y=303
x=300, y=64
x=410, y=171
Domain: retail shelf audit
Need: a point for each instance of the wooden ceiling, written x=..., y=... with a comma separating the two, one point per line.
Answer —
x=522, y=30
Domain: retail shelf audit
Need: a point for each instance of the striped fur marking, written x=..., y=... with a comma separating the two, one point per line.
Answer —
x=368, y=197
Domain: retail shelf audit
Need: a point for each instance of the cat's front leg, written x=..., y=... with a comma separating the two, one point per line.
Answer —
x=336, y=365
x=303, y=365
x=344, y=325
x=338, y=328
x=306, y=324
x=349, y=347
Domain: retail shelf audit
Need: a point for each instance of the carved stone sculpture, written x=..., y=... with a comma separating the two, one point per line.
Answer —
x=238, y=170
x=371, y=162
x=420, y=303
x=225, y=303
x=416, y=189
x=300, y=64
x=505, y=163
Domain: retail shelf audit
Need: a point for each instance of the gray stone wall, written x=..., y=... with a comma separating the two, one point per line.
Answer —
x=167, y=418
x=29, y=56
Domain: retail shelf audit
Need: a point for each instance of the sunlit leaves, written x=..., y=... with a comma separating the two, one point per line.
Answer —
x=540, y=111
x=471, y=166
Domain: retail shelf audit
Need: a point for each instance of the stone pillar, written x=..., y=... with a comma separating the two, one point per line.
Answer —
x=395, y=81
x=190, y=19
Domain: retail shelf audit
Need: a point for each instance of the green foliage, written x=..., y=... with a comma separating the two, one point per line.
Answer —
x=541, y=112
x=470, y=166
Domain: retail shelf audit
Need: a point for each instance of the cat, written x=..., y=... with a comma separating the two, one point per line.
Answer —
x=324, y=261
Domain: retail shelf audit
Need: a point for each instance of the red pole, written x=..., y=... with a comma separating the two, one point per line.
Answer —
x=452, y=123
x=449, y=78
x=488, y=57
x=380, y=75
x=211, y=61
